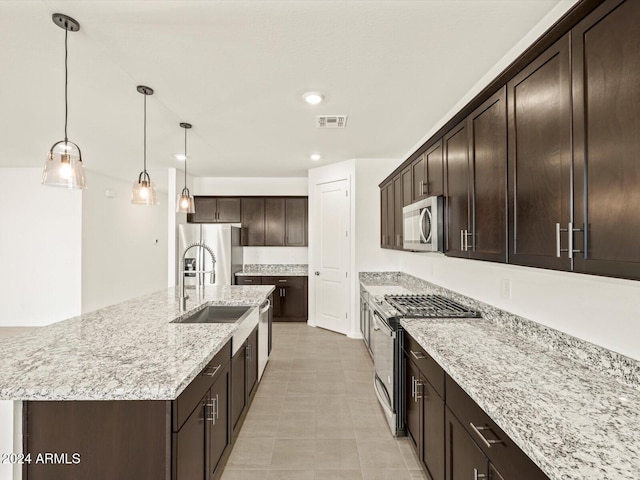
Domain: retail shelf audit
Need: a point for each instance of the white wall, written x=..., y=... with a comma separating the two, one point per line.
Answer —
x=252, y=186
x=124, y=246
x=40, y=245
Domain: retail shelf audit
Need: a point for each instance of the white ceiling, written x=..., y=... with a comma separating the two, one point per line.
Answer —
x=236, y=70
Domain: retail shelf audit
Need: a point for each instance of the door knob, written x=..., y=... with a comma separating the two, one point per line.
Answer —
x=317, y=274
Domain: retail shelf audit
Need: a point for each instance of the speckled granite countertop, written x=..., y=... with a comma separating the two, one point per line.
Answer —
x=289, y=270
x=576, y=419
x=128, y=351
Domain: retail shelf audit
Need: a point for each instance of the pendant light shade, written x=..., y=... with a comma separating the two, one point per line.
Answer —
x=144, y=190
x=63, y=166
x=184, y=202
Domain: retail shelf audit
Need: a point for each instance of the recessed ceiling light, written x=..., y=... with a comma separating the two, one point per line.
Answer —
x=180, y=156
x=315, y=157
x=313, y=98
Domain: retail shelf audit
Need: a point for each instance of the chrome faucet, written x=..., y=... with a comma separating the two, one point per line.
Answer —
x=183, y=297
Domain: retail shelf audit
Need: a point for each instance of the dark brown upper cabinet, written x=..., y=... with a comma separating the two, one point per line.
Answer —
x=427, y=172
x=296, y=221
x=215, y=210
x=539, y=99
x=456, y=151
x=286, y=221
x=487, y=239
x=397, y=212
x=384, y=225
x=606, y=115
x=476, y=185
x=253, y=221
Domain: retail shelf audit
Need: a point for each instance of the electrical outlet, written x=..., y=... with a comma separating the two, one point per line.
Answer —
x=505, y=288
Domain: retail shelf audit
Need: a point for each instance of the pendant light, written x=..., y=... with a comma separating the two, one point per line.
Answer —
x=185, y=203
x=63, y=167
x=144, y=190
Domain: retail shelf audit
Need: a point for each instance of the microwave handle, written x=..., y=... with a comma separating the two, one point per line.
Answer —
x=421, y=222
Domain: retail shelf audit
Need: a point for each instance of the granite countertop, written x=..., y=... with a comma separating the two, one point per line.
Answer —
x=275, y=269
x=128, y=351
x=573, y=420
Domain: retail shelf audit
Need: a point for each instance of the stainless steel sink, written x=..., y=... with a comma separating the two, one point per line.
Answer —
x=217, y=314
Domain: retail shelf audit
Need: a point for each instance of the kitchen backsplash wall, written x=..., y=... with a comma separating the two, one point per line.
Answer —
x=279, y=255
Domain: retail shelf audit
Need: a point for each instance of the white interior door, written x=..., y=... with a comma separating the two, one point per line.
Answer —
x=332, y=256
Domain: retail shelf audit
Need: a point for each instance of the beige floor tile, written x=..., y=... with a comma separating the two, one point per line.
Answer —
x=244, y=475
x=418, y=475
x=251, y=453
x=267, y=405
x=370, y=426
x=295, y=454
x=302, y=387
x=260, y=426
x=411, y=459
x=299, y=403
x=290, y=475
x=338, y=475
x=301, y=424
x=334, y=426
x=273, y=387
x=386, y=475
x=328, y=405
x=380, y=453
x=336, y=454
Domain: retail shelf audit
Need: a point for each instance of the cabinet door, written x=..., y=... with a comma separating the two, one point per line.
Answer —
x=274, y=221
x=488, y=172
x=407, y=187
x=206, y=210
x=434, y=178
x=252, y=362
x=191, y=444
x=464, y=460
x=539, y=111
x=433, y=427
x=296, y=222
x=397, y=212
x=413, y=405
x=277, y=296
x=606, y=112
x=494, y=474
x=238, y=386
x=228, y=210
x=391, y=215
x=383, y=217
x=457, y=190
x=252, y=221
x=419, y=176
x=219, y=418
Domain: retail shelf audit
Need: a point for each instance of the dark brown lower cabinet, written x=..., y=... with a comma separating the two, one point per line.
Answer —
x=185, y=439
x=465, y=461
x=244, y=379
x=289, y=298
x=424, y=420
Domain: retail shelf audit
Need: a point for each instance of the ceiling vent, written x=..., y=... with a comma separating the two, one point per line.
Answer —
x=331, y=121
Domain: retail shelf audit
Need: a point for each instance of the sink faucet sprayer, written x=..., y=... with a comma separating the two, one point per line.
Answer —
x=183, y=297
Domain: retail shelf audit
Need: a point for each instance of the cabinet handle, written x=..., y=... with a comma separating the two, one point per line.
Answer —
x=282, y=281
x=413, y=387
x=421, y=187
x=570, y=229
x=418, y=392
x=211, y=418
x=462, y=240
x=479, y=476
x=416, y=356
x=211, y=373
x=478, y=431
x=248, y=351
x=382, y=240
x=217, y=407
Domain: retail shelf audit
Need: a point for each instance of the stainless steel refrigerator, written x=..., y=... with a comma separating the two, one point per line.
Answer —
x=223, y=240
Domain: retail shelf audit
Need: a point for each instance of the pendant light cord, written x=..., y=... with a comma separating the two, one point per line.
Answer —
x=145, y=133
x=185, y=158
x=66, y=83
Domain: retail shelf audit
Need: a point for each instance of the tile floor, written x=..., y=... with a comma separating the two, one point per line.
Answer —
x=315, y=416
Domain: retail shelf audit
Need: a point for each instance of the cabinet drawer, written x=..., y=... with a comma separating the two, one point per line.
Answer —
x=505, y=455
x=190, y=398
x=427, y=365
x=293, y=281
x=243, y=280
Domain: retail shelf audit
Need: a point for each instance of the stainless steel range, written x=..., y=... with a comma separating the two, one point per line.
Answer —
x=386, y=344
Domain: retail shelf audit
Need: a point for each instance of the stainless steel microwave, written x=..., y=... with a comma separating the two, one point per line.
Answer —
x=422, y=225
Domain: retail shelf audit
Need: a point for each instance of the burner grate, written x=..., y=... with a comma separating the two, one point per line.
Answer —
x=429, y=306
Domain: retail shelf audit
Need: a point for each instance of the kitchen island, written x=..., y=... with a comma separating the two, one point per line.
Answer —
x=128, y=363
x=572, y=407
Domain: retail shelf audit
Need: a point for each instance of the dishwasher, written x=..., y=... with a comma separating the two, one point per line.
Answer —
x=263, y=337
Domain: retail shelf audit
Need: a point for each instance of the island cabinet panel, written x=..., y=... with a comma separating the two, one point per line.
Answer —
x=253, y=221
x=539, y=106
x=606, y=110
x=219, y=438
x=238, y=387
x=488, y=174
x=252, y=362
x=117, y=439
x=456, y=148
x=191, y=445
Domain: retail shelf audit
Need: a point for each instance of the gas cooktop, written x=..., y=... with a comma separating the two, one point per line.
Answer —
x=429, y=306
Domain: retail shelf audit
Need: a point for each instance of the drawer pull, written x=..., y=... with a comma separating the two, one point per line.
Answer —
x=478, y=430
x=417, y=355
x=211, y=373
x=283, y=281
x=479, y=476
